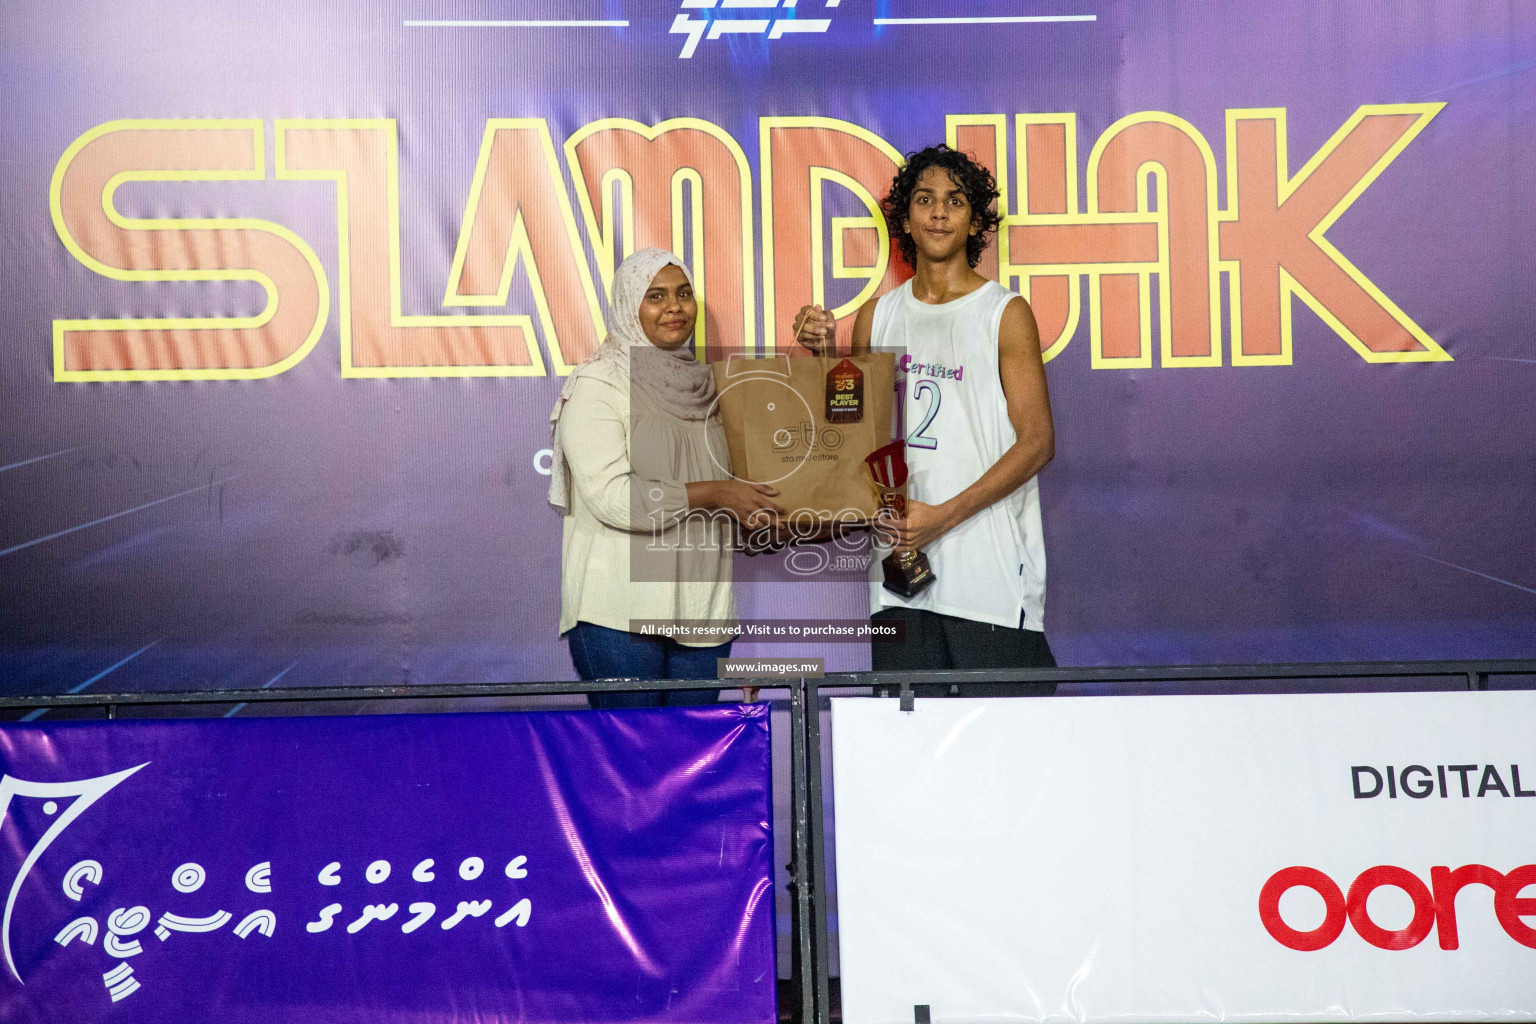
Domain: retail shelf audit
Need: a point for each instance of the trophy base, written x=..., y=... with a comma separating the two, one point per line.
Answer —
x=907, y=575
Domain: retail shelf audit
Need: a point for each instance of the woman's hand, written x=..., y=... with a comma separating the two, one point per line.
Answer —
x=749, y=504
x=816, y=329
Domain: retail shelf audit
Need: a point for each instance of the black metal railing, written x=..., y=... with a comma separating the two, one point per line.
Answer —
x=810, y=952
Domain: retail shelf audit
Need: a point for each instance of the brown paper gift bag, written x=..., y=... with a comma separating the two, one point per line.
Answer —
x=774, y=411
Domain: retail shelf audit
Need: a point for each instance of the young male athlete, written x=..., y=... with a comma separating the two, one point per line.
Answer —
x=977, y=419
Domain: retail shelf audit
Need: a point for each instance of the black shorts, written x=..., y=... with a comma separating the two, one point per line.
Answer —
x=934, y=642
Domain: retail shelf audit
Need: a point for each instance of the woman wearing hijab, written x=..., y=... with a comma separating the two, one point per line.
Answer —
x=637, y=447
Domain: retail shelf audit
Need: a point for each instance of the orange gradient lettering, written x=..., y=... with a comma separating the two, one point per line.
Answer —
x=1274, y=232
x=799, y=157
x=1138, y=237
x=82, y=200
x=686, y=187
x=514, y=218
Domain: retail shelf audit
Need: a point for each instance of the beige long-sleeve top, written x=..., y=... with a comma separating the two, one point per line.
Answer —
x=629, y=551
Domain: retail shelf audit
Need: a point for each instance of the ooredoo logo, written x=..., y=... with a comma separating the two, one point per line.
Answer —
x=1434, y=905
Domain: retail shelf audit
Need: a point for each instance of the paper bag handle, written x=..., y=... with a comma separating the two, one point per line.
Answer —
x=731, y=371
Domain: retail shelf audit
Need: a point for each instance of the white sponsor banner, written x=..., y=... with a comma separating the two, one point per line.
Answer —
x=1126, y=858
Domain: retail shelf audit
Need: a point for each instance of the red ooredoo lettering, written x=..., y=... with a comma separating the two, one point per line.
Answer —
x=1434, y=905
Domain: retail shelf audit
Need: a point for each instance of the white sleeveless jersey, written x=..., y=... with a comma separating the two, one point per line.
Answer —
x=990, y=568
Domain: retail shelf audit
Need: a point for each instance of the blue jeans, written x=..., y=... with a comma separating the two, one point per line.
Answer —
x=602, y=653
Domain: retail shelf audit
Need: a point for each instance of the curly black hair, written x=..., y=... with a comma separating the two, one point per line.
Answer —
x=975, y=180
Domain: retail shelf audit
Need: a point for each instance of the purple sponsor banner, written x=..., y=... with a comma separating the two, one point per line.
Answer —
x=548, y=866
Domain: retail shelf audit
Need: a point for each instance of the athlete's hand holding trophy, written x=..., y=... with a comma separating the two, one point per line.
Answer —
x=908, y=572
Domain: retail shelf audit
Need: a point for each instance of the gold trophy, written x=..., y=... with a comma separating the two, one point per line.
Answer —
x=906, y=574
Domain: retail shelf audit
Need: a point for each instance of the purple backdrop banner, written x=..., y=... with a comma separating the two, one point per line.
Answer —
x=287, y=291
x=548, y=866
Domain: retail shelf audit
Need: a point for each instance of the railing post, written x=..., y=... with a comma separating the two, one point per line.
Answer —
x=817, y=837
x=800, y=867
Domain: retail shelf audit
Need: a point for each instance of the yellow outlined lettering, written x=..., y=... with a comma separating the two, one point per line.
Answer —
x=815, y=144
x=653, y=162
x=842, y=267
x=81, y=203
x=969, y=133
x=1196, y=243
x=1270, y=215
x=1055, y=298
x=686, y=184
x=361, y=156
x=527, y=188
x=872, y=275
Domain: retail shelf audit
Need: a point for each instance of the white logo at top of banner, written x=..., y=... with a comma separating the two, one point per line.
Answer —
x=702, y=20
